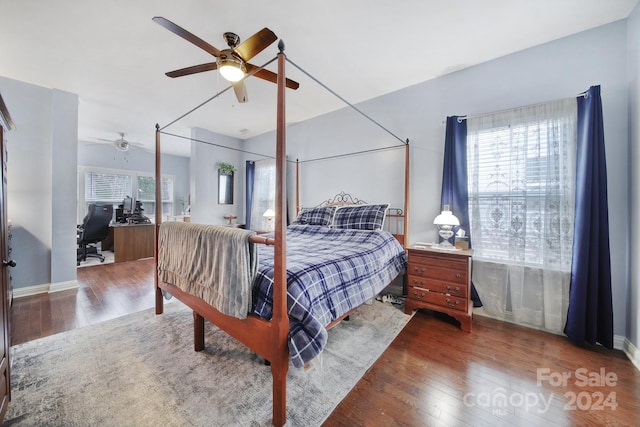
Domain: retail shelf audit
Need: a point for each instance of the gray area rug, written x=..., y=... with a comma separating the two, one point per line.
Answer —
x=141, y=370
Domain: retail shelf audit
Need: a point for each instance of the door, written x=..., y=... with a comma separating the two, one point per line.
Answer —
x=5, y=376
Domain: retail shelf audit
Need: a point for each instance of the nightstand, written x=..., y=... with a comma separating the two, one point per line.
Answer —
x=440, y=280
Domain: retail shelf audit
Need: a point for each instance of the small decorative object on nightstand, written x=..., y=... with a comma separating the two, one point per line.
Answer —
x=440, y=280
x=230, y=218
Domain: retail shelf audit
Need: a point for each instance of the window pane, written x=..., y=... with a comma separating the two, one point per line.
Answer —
x=106, y=187
x=147, y=188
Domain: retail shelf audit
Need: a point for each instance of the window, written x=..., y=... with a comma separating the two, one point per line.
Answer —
x=112, y=186
x=521, y=185
x=264, y=193
x=521, y=181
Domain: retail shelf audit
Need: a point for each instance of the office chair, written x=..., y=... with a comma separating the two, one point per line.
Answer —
x=94, y=228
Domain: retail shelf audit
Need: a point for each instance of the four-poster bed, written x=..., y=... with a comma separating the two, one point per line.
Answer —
x=268, y=338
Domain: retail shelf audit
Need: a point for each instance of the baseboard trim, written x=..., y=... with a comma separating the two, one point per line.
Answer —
x=44, y=289
x=630, y=350
x=28, y=291
x=619, y=342
x=63, y=286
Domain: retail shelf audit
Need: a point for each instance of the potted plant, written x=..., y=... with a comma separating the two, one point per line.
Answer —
x=226, y=168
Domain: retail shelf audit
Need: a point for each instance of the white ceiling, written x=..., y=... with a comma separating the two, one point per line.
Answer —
x=114, y=56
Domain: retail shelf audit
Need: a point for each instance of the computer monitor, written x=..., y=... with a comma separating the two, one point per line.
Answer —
x=128, y=205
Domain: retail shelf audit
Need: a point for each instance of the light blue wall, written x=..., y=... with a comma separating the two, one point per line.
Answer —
x=633, y=306
x=63, y=181
x=39, y=152
x=558, y=69
x=204, y=178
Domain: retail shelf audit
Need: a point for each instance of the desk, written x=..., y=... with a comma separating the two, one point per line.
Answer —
x=132, y=241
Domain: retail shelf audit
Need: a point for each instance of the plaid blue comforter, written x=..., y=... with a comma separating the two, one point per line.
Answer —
x=329, y=272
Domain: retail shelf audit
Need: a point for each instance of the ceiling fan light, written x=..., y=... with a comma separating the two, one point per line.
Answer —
x=231, y=68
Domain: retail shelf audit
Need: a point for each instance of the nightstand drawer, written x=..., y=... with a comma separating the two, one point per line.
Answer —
x=455, y=273
x=437, y=298
x=454, y=289
x=438, y=260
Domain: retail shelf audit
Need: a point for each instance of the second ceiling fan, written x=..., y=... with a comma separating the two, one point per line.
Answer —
x=232, y=62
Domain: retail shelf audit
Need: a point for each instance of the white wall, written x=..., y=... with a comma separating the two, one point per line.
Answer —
x=633, y=306
x=558, y=69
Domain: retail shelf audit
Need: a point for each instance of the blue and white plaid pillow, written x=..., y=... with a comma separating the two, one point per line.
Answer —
x=322, y=215
x=360, y=217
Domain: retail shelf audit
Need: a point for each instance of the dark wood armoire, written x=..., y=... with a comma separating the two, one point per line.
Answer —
x=5, y=287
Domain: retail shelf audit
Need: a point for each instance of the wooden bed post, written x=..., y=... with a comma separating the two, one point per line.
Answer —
x=280, y=320
x=407, y=173
x=405, y=243
x=297, y=187
x=159, y=300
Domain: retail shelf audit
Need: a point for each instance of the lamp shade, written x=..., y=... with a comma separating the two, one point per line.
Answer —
x=269, y=213
x=446, y=217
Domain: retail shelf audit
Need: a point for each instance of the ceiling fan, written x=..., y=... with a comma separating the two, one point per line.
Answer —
x=121, y=143
x=232, y=62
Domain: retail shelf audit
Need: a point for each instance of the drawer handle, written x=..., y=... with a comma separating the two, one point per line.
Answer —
x=457, y=275
x=419, y=270
x=456, y=289
x=456, y=302
x=421, y=294
x=415, y=282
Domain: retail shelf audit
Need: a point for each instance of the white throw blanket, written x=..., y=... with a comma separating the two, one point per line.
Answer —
x=215, y=263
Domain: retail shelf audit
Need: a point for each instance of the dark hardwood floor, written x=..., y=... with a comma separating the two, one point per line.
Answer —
x=104, y=292
x=432, y=374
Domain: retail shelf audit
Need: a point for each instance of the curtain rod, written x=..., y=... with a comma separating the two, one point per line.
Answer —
x=273, y=157
x=347, y=102
x=372, y=150
x=221, y=146
x=461, y=118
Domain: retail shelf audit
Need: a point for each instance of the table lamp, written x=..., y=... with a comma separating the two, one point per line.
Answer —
x=269, y=214
x=445, y=223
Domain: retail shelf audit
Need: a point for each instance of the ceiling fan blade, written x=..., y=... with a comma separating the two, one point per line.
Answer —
x=255, y=44
x=272, y=77
x=178, y=30
x=209, y=66
x=241, y=91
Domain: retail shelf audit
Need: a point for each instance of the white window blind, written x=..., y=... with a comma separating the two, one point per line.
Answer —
x=106, y=187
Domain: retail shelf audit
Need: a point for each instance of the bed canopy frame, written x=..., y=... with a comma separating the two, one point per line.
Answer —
x=266, y=338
